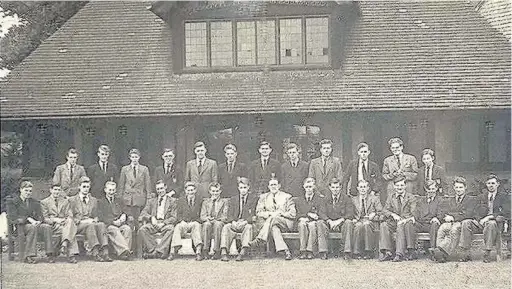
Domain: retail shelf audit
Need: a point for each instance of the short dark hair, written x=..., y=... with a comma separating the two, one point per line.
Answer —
x=291, y=146
x=199, y=144
x=492, y=176
x=460, y=180
x=430, y=183
x=265, y=143
x=399, y=178
x=104, y=148
x=395, y=140
x=428, y=152
x=160, y=182
x=72, y=151
x=190, y=184
x=230, y=147
x=362, y=145
x=334, y=181
x=167, y=150
x=326, y=141
x=244, y=180
x=26, y=184
x=134, y=151
x=214, y=185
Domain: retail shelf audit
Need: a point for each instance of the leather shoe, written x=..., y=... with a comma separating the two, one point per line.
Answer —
x=323, y=256
x=30, y=260
x=240, y=257
x=387, y=257
x=302, y=256
x=487, y=257
x=171, y=257
x=51, y=259
x=224, y=258
x=72, y=260
x=64, y=250
x=98, y=258
x=125, y=256
x=309, y=255
x=199, y=257
x=398, y=258
x=287, y=255
x=215, y=256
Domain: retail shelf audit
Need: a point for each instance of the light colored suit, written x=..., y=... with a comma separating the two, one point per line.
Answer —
x=333, y=169
x=65, y=230
x=69, y=183
x=135, y=190
x=202, y=178
x=365, y=229
x=213, y=229
x=409, y=167
x=95, y=233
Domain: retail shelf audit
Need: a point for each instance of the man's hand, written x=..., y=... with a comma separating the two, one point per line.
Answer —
x=153, y=220
x=159, y=226
x=396, y=217
x=303, y=220
x=122, y=219
x=449, y=218
x=87, y=221
x=486, y=219
x=435, y=220
x=313, y=216
x=371, y=216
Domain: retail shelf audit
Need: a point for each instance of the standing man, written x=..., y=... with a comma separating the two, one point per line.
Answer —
x=68, y=175
x=84, y=208
x=311, y=215
x=56, y=213
x=119, y=225
x=361, y=169
x=26, y=214
x=159, y=216
x=396, y=165
x=214, y=214
x=275, y=211
x=294, y=171
x=102, y=172
x=399, y=210
x=429, y=213
x=231, y=171
x=431, y=171
x=241, y=216
x=169, y=173
x=325, y=168
x=263, y=169
x=201, y=170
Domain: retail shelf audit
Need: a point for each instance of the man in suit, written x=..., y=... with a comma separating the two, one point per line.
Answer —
x=263, y=169
x=276, y=213
x=399, y=211
x=201, y=170
x=461, y=212
x=368, y=210
x=230, y=172
x=241, y=216
x=431, y=171
x=56, y=213
x=119, y=230
x=361, y=169
x=135, y=186
x=325, y=168
x=340, y=213
x=68, y=175
x=214, y=214
x=294, y=171
x=495, y=210
x=397, y=165
x=26, y=214
x=101, y=172
x=188, y=215
x=429, y=213
x=159, y=216
x=311, y=216
x=84, y=208
x=169, y=173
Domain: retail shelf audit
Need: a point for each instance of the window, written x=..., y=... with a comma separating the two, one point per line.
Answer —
x=290, y=34
x=246, y=40
x=317, y=40
x=266, y=42
x=222, y=43
x=195, y=49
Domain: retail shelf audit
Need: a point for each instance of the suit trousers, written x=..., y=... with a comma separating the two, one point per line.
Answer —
x=347, y=230
x=31, y=234
x=183, y=228
x=492, y=231
x=275, y=226
x=229, y=232
x=212, y=230
x=95, y=234
x=364, y=236
x=448, y=236
x=430, y=228
x=405, y=236
x=66, y=232
x=468, y=228
x=120, y=238
x=147, y=237
x=311, y=234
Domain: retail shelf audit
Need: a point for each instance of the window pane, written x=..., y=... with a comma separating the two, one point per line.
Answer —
x=291, y=41
x=470, y=141
x=246, y=46
x=222, y=43
x=317, y=40
x=266, y=42
x=499, y=140
x=195, y=44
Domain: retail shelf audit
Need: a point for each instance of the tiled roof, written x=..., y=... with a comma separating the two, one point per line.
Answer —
x=114, y=60
x=498, y=13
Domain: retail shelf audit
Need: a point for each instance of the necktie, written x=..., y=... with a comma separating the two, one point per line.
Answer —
x=134, y=172
x=160, y=199
x=244, y=199
x=264, y=164
x=200, y=166
x=335, y=200
x=459, y=199
x=398, y=162
x=71, y=171
x=399, y=201
x=104, y=166
x=365, y=172
x=214, y=207
x=363, y=207
x=230, y=167
x=190, y=202
x=491, y=198
x=84, y=199
x=168, y=168
x=427, y=173
x=325, y=164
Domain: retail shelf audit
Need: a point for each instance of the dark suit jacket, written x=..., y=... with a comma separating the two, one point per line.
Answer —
x=170, y=209
x=501, y=204
x=259, y=177
x=333, y=170
x=293, y=178
x=51, y=210
x=19, y=210
x=407, y=210
x=344, y=208
x=317, y=205
x=135, y=191
x=82, y=211
x=229, y=181
x=372, y=204
x=469, y=208
x=373, y=175
x=69, y=184
x=108, y=212
x=438, y=175
x=426, y=211
x=248, y=211
x=219, y=214
x=186, y=213
x=173, y=179
x=99, y=178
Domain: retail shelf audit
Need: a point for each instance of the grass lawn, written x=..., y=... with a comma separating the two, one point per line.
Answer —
x=257, y=273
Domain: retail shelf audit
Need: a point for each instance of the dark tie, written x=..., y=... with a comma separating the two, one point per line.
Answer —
x=427, y=174
x=230, y=167
x=160, y=199
x=104, y=167
x=363, y=207
x=56, y=203
x=365, y=172
x=71, y=171
x=325, y=164
x=264, y=164
x=399, y=201
x=214, y=206
x=459, y=199
x=398, y=162
x=335, y=200
x=84, y=199
x=168, y=169
x=134, y=172
x=491, y=198
x=244, y=199
x=200, y=166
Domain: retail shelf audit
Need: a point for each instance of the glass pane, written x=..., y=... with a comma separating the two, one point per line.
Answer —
x=222, y=43
x=246, y=46
x=317, y=40
x=195, y=44
x=499, y=140
x=266, y=42
x=291, y=41
x=470, y=141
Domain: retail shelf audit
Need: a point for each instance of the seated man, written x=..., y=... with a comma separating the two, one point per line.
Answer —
x=461, y=212
x=429, y=213
x=214, y=213
x=158, y=216
x=399, y=211
x=241, y=215
x=311, y=215
x=368, y=210
x=57, y=214
x=188, y=221
x=84, y=208
x=119, y=230
x=275, y=211
x=26, y=213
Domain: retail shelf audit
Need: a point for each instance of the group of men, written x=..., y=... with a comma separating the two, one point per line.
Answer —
x=260, y=201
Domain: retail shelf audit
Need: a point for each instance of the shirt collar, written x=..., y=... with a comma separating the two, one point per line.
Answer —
x=492, y=194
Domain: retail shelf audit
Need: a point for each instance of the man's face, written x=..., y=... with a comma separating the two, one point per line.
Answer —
x=215, y=193
x=110, y=190
x=190, y=191
x=134, y=159
x=161, y=189
x=243, y=189
x=26, y=193
x=103, y=155
x=168, y=157
x=72, y=157
x=492, y=185
x=432, y=190
x=56, y=191
x=396, y=148
x=335, y=188
x=200, y=152
x=84, y=188
x=309, y=187
x=293, y=154
x=326, y=150
x=230, y=155
x=399, y=187
x=363, y=188
x=363, y=153
x=427, y=159
x=265, y=150
x=274, y=186
x=460, y=189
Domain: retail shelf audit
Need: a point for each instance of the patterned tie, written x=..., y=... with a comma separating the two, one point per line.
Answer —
x=398, y=162
x=71, y=171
